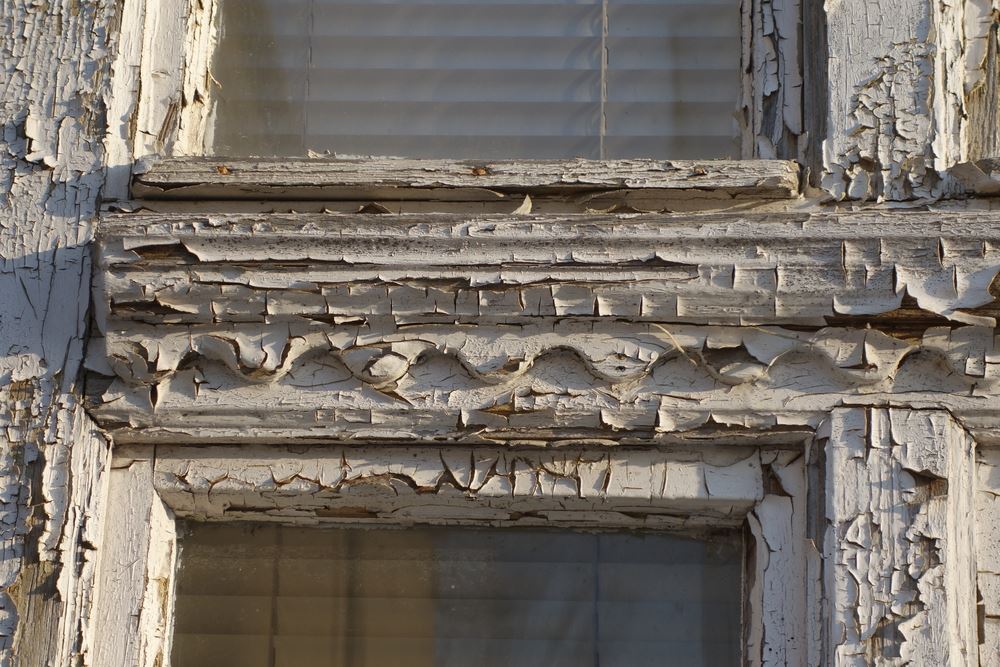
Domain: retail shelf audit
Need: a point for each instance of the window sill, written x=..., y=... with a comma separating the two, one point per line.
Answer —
x=645, y=185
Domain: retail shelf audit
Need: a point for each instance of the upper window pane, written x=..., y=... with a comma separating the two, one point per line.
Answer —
x=479, y=78
x=269, y=596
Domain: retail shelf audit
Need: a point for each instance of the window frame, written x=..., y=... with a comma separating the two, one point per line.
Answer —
x=154, y=486
x=169, y=74
x=867, y=404
x=160, y=85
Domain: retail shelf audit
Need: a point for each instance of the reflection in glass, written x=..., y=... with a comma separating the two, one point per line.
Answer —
x=262, y=596
x=478, y=78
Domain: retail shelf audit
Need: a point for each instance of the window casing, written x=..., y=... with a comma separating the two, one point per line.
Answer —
x=694, y=491
x=184, y=125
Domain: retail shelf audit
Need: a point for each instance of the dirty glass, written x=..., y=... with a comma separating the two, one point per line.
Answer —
x=478, y=78
x=269, y=596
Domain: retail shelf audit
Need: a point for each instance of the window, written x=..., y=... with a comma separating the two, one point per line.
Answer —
x=495, y=79
x=277, y=338
x=261, y=595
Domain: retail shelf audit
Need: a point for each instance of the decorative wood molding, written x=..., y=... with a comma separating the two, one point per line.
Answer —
x=623, y=488
x=791, y=268
x=609, y=328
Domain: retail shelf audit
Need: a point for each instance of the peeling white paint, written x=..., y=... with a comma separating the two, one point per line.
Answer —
x=529, y=328
x=899, y=543
x=54, y=57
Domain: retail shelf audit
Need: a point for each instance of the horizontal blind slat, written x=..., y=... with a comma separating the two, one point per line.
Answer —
x=479, y=78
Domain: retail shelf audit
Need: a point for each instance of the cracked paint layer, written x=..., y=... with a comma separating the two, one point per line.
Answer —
x=917, y=96
x=55, y=62
x=900, y=539
x=731, y=330
x=988, y=554
x=487, y=328
x=772, y=82
x=681, y=489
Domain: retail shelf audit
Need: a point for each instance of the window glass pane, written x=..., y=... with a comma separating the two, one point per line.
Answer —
x=455, y=597
x=479, y=78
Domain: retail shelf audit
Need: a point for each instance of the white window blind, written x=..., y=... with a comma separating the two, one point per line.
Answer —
x=268, y=596
x=479, y=78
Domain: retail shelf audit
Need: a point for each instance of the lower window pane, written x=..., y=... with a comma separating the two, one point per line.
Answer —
x=272, y=596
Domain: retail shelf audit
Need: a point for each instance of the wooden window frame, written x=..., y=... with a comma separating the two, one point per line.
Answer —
x=154, y=486
x=202, y=324
x=169, y=73
x=752, y=302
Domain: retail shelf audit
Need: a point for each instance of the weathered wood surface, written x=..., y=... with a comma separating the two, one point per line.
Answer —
x=988, y=553
x=691, y=489
x=322, y=484
x=898, y=73
x=900, y=544
x=912, y=93
x=715, y=269
x=133, y=612
x=513, y=328
x=469, y=180
x=602, y=383
x=54, y=69
x=772, y=81
x=982, y=78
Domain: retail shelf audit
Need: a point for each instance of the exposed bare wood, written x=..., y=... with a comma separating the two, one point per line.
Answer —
x=772, y=85
x=815, y=91
x=389, y=178
x=981, y=177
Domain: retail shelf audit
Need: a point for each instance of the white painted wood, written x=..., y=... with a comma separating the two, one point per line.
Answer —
x=126, y=81
x=55, y=68
x=988, y=553
x=772, y=86
x=686, y=489
x=206, y=316
x=133, y=609
x=164, y=52
x=323, y=484
x=600, y=341
x=780, y=635
x=706, y=268
x=611, y=381
x=899, y=546
x=901, y=74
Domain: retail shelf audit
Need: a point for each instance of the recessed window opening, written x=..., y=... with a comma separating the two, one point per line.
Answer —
x=275, y=596
x=494, y=79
